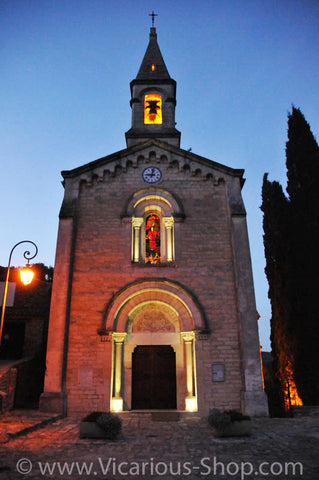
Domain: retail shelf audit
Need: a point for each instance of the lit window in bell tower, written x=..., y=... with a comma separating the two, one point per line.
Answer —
x=153, y=67
x=152, y=108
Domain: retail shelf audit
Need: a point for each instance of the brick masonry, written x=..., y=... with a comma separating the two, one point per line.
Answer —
x=97, y=289
x=94, y=248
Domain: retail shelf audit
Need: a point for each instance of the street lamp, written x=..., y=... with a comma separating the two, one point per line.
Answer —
x=26, y=275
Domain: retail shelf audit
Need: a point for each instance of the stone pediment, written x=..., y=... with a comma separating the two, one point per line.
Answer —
x=152, y=152
x=156, y=152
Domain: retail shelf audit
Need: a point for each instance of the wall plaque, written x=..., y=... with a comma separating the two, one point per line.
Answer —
x=218, y=372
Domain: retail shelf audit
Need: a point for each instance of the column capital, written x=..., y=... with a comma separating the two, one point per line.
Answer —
x=188, y=336
x=168, y=222
x=137, y=222
x=119, y=337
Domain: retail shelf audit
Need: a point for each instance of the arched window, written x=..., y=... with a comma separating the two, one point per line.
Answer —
x=153, y=236
x=154, y=214
x=152, y=239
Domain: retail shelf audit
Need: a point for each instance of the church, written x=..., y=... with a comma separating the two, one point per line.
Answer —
x=153, y=304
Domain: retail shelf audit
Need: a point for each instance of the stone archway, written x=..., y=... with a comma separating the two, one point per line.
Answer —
x=162, y=316
x=172, y=293
x=153, y=327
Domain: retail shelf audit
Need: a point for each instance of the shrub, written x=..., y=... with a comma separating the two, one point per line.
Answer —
x=110, y=423
x=92, y=417
x=221, y=419
x=236, y=416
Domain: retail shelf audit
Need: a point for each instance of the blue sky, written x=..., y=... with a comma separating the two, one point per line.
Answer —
x=64, y=82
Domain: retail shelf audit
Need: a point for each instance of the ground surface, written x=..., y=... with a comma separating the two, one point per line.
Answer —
x=162, y=450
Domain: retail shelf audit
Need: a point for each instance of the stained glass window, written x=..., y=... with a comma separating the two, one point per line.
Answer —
x=153, y=239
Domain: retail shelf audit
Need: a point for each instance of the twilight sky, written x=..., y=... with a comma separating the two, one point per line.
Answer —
x=64, y=81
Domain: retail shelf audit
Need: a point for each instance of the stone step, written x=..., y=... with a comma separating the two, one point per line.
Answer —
x=158, y=415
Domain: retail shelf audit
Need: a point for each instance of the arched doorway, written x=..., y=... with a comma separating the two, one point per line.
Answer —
x=153, y=377
x=153, y=324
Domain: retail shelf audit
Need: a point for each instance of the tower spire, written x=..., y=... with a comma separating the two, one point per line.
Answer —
x=153, y=65
x=153, y=99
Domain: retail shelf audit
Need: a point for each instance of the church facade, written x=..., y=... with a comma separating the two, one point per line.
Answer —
x=153, y=301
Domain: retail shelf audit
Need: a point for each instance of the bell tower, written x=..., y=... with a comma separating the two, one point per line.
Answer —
x=153, y=100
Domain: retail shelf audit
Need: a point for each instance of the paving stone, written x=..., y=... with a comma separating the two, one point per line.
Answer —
x=275, y=441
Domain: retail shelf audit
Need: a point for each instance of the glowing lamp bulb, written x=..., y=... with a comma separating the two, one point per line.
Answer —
x=26, y=275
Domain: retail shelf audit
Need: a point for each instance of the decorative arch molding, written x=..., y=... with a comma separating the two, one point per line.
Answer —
x=148, y=89
x=148, y=196
x=188, y=310
x=153, y=316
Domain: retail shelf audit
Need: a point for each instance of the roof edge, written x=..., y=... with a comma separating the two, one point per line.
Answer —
x=238, y=172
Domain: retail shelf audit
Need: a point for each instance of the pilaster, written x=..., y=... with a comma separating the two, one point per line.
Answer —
x=254, y=399
x=52, y=397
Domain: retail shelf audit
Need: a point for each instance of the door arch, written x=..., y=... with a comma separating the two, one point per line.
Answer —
x=155, y=312
x=174, y=294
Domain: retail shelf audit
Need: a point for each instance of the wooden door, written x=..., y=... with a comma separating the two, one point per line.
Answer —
x=153, y=377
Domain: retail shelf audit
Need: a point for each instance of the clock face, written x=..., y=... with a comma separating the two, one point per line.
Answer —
x=152, y=174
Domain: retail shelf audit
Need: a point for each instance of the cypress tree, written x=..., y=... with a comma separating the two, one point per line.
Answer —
x=302, y=161
x=291, y=241
x=275, y=208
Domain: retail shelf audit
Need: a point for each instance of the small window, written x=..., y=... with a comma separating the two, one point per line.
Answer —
x=153, y=239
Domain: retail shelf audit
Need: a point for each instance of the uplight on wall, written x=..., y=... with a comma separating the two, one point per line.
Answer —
x=117, y=405
x=191, y=404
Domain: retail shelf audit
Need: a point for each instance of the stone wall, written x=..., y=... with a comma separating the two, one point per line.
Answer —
x=100, y=266
x=7, y=388
x=203, y=263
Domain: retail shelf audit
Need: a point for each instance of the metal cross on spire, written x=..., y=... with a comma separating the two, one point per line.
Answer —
x=153, y=15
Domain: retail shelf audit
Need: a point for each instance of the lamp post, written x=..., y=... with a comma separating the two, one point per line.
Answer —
x=26, y=277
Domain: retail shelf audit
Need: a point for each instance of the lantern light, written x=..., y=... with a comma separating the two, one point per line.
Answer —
x=28, y=256
x=26, y=275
